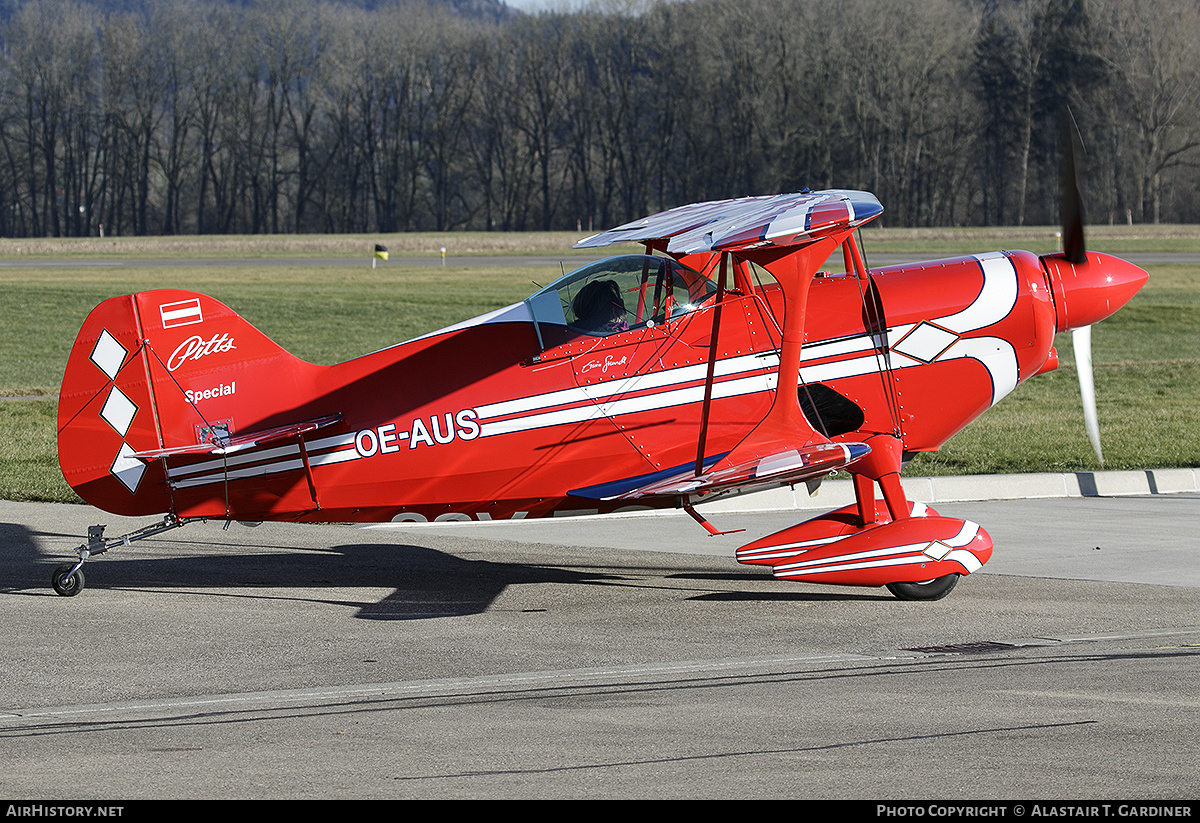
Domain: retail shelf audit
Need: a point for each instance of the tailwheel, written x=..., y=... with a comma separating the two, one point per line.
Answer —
x=934, y=589
x=67, y=580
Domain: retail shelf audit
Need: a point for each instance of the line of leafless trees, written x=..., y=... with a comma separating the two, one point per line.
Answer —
x=188, y=116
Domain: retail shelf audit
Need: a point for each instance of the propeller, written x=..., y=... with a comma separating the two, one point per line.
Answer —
x=1071, y=202
x=1081, y=341
x=1075, y=252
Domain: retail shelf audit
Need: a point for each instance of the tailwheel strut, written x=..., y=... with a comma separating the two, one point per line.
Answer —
x=68, y=579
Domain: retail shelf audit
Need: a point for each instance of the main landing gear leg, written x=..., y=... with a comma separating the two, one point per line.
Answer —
x=68, y=580
x=881, y=466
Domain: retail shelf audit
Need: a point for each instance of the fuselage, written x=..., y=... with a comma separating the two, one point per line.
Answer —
x=483, y=422
x=504, y=417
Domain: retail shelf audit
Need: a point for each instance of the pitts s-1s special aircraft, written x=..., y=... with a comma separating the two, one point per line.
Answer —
x=721, y=361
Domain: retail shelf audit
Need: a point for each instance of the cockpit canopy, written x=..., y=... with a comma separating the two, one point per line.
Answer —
x=618, y=294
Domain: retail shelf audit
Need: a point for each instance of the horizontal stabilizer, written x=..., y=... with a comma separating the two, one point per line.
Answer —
x=223, y=443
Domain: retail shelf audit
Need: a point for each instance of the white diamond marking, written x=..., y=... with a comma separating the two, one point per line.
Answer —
x=118, y=411
x=108, y=354
x=128, y=469
x=926, y=342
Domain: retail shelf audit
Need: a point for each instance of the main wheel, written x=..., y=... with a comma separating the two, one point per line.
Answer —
x=66, y=583
x=934, y=589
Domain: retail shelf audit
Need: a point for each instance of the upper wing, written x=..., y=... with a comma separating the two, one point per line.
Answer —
x=796, y=232
x=746, y=223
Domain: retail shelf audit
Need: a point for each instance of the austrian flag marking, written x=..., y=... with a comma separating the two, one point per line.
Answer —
x=181, y=313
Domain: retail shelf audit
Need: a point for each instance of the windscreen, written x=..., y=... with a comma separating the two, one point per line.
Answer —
x=618, y=294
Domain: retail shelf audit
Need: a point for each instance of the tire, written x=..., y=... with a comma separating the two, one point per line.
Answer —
x=65, y=583
x=934, y=589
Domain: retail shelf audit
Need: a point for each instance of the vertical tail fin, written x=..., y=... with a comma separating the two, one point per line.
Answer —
x=159, y=371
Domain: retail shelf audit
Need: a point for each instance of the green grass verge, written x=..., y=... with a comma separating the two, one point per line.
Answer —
x=1146, y=412
x=932, y=241
x=416, y=244
x=1037, y=239
x=29, y=454
x=1147, y=356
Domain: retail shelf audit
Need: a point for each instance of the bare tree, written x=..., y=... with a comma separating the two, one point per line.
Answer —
x=1154, y=51
x=542, y=58
x=500, y=164
x=136, y=82
x=52, y=125
x=344, y=188
x=300, y=115
x=904, y=103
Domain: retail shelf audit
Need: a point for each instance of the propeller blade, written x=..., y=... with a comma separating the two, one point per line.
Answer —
x=1081, y=339
x=1072, y=202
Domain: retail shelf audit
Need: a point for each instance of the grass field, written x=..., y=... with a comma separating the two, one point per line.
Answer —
x=1147, y=356
x=933, y=241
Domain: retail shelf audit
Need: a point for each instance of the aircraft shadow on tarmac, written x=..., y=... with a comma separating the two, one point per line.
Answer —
x=428, y=583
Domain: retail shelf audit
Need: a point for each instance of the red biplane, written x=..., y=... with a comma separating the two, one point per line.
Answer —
x=723, y=360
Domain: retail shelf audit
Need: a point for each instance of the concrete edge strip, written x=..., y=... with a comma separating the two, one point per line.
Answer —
x=957, y=488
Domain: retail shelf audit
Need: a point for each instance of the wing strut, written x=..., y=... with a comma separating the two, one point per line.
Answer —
x=712, y=366
x=712, y=530
x=876, y=325
x=785, y=428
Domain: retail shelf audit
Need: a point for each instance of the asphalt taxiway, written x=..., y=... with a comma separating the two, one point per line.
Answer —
x=605, y=657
